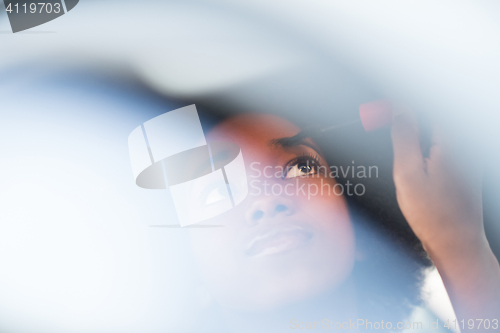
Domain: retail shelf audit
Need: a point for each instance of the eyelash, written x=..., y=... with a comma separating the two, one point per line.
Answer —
x=304, y=158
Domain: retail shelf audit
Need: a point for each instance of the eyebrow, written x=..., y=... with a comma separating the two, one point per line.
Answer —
x=294, y=141
x=298, y=138
x=310, y=132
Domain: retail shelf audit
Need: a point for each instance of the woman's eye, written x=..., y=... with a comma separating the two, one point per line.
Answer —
x=301, y=169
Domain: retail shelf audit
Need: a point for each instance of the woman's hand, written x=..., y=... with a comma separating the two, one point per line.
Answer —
x=440, y=197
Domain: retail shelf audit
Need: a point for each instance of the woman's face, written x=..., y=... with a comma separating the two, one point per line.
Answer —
x=287, y=241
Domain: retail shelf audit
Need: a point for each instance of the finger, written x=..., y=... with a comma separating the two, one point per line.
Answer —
x=454, y=151
x=405, y=139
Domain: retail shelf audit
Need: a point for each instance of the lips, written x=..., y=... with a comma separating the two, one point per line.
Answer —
x=278, y=240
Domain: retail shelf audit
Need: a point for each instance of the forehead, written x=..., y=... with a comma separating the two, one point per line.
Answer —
x=252, y=129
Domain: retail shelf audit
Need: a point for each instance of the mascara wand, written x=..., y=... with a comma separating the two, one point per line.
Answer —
x=372, y=115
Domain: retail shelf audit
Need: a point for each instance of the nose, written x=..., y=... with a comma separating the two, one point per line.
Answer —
x=267, y=208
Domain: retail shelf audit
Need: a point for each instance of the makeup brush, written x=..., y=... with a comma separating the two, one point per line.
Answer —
x=372, y=115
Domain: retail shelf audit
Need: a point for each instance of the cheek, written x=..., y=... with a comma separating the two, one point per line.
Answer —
x=327, y=210
x=335, y=243
x=216, y=249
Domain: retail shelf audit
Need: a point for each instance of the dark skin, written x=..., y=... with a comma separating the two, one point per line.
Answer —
x=439, y=195
x=279, y=274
